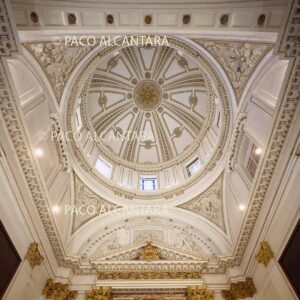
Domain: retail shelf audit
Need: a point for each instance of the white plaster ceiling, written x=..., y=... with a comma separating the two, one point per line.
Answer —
x=187, y=122
x=165, y=131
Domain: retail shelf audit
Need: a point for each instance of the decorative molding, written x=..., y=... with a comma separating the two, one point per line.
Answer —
x=8, y=40
x=236, y=142
x=60, y=145
x=57, y=60
x=199, y=293
x=34, y=256
x=298, y=152
x=265, y=254
x=108, y=268
x=58, y=291
x=149, y=294
x=164, y=252
x=209, y=204
x=238, y=59
x=147, y=275
x=240, y=290
x=99, y=293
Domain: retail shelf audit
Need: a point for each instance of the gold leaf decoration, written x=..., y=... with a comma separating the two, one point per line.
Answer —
x=148, y=275
x=240, y=290
x=149, y=253
x=264, y=254
x=34, y=256
x=99, y=293
x=58, y=291
x=199, y=293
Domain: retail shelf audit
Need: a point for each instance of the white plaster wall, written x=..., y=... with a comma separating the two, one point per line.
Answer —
x=271, y=282
x=37, y=106
x=258, y=104
x=27, y=283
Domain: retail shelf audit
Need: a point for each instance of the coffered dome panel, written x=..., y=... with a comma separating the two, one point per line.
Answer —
x=155, y=99
x=149, y=112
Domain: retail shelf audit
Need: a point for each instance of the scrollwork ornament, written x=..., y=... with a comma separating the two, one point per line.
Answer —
x=99, y=293
x=34, y=256
x=199, y=293
x=144, y=275
x=265, y=254
x=58, y=291
x=149, y=253
x=240, y=290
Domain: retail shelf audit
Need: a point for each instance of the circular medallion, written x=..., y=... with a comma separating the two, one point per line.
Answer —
x=147, y=95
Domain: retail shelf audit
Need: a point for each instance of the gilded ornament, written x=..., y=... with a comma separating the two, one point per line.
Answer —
x=240, y=290
x=155, y=275
x=147, y=95
x=149, y=253
x=199, y=293
x=265, y=254
x=58, y=291
x=99, y=293
x=34, y=256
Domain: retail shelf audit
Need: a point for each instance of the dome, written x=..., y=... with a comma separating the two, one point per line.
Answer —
x=149, y=118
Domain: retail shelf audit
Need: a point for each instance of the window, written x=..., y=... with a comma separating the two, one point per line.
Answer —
x=78, y=119
x=148, y=183
x=193, y=167
x=103, y=167
x=253, y=160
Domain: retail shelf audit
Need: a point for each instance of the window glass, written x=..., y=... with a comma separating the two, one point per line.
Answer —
x=193, y=167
